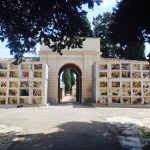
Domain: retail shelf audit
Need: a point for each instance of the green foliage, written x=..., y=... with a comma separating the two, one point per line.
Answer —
x=133, y=51
x=101, y=25
x=67, y=80
x=72, y=78
x=146, y=135
x=130, y=22
x=136, y=51
x=58, y=24
x=89, y=32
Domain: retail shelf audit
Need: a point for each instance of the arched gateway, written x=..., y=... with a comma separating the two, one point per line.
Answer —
x=79, y=60
x=78, y=73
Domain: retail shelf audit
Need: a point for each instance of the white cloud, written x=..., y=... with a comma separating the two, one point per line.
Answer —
x=108, y=5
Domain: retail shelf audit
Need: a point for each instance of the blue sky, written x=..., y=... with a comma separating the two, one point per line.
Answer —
x=107, y=5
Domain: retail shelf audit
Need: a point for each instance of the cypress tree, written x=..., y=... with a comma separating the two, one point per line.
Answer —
x=67, y=80
x=72, y=78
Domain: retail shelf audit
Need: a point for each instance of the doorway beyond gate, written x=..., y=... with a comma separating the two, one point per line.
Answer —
x=77, y=71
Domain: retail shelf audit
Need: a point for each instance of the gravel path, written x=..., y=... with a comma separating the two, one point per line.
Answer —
x=69, y=127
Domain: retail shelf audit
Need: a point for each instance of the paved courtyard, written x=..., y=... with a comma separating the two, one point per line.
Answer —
x=73, y=127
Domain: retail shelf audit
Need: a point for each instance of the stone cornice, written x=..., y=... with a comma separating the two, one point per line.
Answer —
x=72, y=53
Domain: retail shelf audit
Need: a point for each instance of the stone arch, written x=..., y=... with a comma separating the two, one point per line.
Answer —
x=78, y=73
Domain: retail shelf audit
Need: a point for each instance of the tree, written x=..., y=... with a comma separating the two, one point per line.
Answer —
x=130, y=22
x=134, y=51
x=66, y=78
x=69, y=79
x=89, y=32
x=57, y=23
x=72, y=78
x=101, y=25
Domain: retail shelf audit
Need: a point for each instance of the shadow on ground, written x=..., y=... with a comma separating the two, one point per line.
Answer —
x=85, y=136
x=71, y=136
